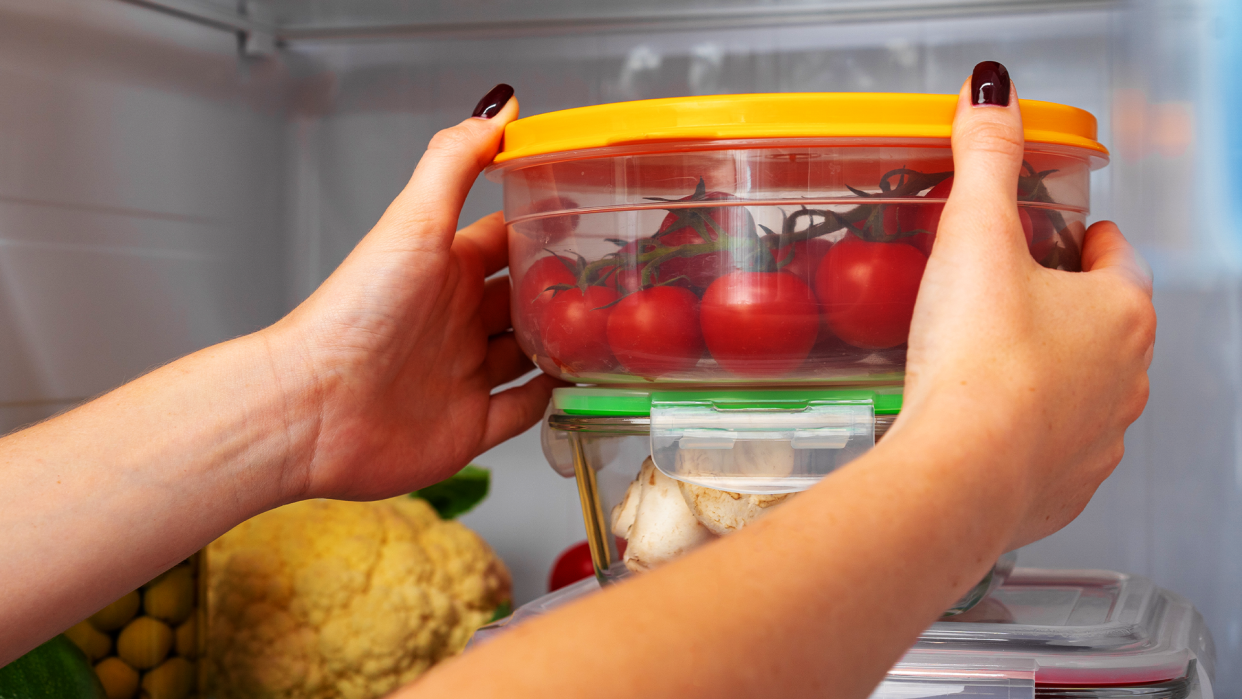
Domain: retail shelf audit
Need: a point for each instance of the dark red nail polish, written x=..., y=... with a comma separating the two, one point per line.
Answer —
x=494, y=101
x=989, y=84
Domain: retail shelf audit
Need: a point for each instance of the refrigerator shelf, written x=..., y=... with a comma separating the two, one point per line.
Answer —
x=270, y=23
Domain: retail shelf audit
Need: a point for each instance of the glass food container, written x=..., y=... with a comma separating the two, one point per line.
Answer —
x=660, y=473
x=746, y=239
x=1042, y=634
x=148, y=643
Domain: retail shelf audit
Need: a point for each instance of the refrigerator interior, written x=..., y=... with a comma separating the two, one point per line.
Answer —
x=178, y=172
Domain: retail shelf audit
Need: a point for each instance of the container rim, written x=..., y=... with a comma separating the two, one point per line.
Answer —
x=852, y=118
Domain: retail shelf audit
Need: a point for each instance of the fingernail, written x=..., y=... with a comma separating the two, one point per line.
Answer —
x=494, y=101
x=989, y=84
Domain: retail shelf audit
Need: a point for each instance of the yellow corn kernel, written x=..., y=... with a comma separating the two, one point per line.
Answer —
x=144, y=642
x=114, y=616
x=172, y=598
x=95, y=644
x=120, y=681
x=172, y=680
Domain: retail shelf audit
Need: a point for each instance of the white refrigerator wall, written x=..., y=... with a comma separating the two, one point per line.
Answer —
x=141, y=175
x=158, y=194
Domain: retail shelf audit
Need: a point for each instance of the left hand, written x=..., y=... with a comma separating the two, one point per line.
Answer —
x=399, y=350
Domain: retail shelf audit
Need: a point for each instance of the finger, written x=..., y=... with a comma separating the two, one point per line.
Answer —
x=494, y=308
x=488, y=239
x=429, y=205
x=515, y=410
x=505, y=361
x=1105, y=248
x=981, y=211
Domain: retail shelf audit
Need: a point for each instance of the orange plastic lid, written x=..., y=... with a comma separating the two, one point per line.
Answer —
x=830, y=115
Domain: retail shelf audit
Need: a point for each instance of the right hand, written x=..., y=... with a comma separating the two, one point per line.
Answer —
x=1048, y=367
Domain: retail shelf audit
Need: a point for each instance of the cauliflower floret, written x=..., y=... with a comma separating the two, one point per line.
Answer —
x=327, y=599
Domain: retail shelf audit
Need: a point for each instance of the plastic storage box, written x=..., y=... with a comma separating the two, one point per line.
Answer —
x=660, y=473
x=752, y=238
x=1051, y=634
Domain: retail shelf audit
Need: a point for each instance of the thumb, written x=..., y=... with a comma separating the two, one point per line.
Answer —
x=429, y=205
x=982, y=212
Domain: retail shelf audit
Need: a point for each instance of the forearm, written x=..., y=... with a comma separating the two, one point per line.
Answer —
x=820, y=598
x=105, y=497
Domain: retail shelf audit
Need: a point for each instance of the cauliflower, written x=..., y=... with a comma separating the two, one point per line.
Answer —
x=340, y=599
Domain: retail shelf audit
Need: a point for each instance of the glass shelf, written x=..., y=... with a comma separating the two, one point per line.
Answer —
x=309, y=20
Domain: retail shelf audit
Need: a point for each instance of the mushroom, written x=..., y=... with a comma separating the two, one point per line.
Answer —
x=623, y=513
x=663, y=526
x=724, y=512
x=749, y=458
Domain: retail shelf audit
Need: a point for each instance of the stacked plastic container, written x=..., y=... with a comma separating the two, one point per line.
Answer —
x=1059, y=634
x=733, y=279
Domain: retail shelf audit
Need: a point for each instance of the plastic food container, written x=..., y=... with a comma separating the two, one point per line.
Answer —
x=752, y=238
x=660, y=473
x=149, y=642
x=1047, y=634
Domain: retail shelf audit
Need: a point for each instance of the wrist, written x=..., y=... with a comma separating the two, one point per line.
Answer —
x=973, y=454
x=293, y=405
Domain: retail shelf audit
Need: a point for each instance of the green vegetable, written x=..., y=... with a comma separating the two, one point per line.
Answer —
x=504, y=610
x=457, y=494
x=55, y=670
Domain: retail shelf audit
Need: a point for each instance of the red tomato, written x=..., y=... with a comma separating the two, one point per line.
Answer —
x=926, y=217
x=552, y=228
x=575, y=564
x=868, y=291
x=656, y=331
x=806, y=256
x=532, y=297
x=572, y=565
x=575, y=329
x=675, y=230
x=759, y=323
x=628, y=281
x=1043, y=234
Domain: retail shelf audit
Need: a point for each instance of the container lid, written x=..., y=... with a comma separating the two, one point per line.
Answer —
x=625, y=402
x=660, y=123
x=744, y=441
x=1043, y=633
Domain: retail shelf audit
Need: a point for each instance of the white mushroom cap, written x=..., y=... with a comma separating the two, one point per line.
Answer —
x=624, y=511
x=723, y=512
x=663, y=526
x=747, y=458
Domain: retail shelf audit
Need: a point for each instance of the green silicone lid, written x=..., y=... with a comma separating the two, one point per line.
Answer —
x=617, y=402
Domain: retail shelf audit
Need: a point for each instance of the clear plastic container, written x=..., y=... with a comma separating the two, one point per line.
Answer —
x=149, y=643
x=1042, y=634
x=752, y=238
x=662, y=473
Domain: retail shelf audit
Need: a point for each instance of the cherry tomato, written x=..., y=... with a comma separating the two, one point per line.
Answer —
x=678, y=229
x=628, y=281
x=552, y=228
x=575, y=564
x=656, y=331
x=759, y=323
x=1043, y=234
x=868, y=291
x=533, y=296
x=575, y=329
x=926, y=217
x=572, y=565
x=806, y=255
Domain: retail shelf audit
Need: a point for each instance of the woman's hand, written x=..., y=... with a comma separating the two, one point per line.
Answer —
x=1049, y=367
x=404, y=343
